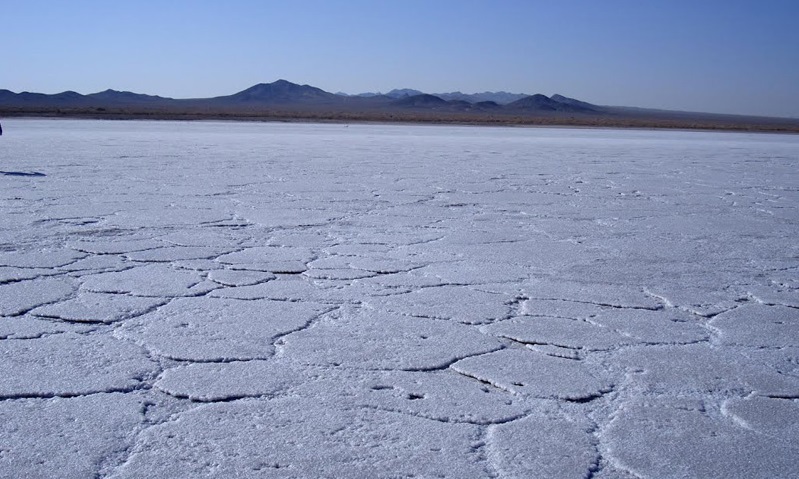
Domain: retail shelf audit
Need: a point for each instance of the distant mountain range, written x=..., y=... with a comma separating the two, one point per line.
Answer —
x=284, y=100
x=284, y=93
x=499, y=97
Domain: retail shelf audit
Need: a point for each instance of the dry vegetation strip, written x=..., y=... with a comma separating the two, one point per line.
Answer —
x=410, y=116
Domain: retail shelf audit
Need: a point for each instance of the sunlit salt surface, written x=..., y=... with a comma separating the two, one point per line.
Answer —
x=216, y=299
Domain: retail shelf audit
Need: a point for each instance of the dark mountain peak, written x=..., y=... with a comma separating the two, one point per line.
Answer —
x=574, y=103
x=403, y=92
x=460, y=103
x=499, y=97
x=487, y=105
x=69, y=94
x=116, y=96
x=280, y=91
x=422, y=100
x=539, y=102
x=534, y=102
x=110, y=92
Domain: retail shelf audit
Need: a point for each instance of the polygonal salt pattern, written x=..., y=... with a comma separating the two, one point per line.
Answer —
x=151, y=280
x=168, y=254
x=460, y=304
x=668, y=326
x=201, y=299
x=677, y=440
x=98, y=308
x=528, y=373
x=560, y=332
x=71, y=364
x=286, y=289
x=702, y=369
x=377, y=340
x=208, y=382
x=218, y=329
x=775, y=417
x=228, y=277
x=70, y=438
x=758, y=326
x=272, y=259
x=254, y=438
x=31, y=327
x=543, y=445
x=40, y=259
x=439, y=395
x=20, y=297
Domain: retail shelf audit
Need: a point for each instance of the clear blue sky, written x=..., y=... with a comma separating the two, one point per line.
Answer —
x=729, y=56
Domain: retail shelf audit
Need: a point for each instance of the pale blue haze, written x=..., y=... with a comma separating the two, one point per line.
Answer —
x=732, y=56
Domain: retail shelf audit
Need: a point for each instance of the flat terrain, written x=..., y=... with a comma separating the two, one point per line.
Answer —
x=626, y=119
x=208, y=299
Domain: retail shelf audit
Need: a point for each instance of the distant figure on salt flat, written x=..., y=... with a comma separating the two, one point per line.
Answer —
x=1, y=130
